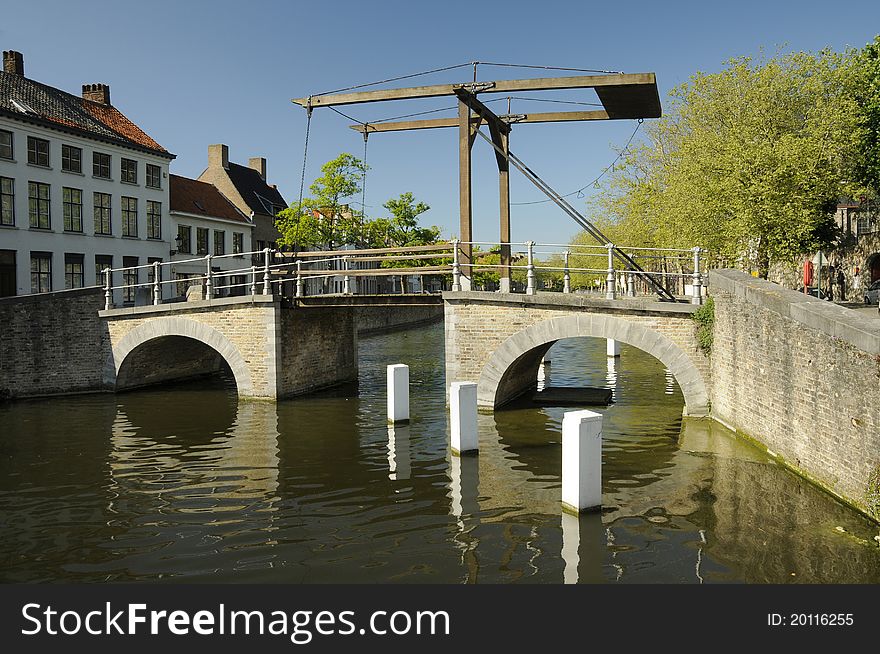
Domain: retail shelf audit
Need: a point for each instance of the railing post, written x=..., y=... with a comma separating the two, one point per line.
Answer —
x=157, y=286
x=611, y=277
x=530, y=268
x=697, y=282
x=267, y=286
x=253, y=280
x=299, y=279
x=346, y=280
x=456, y=266
x=630, y=285
x=566, y=277
x=209, y=281
x=108, y=292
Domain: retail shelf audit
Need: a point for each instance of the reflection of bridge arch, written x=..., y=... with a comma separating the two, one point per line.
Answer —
x=517, y=358
x=170, y=330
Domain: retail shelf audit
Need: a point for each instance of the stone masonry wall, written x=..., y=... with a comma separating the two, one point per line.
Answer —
x=52, y=343
x=801, y=376
x=250, y=326
x=479, y=323
x=318, y=349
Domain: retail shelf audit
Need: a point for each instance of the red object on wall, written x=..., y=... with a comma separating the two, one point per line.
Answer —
x=808, y=274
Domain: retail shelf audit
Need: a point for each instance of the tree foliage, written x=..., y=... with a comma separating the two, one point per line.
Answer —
x=865, y=85
x=748, y=162
x=324, y=219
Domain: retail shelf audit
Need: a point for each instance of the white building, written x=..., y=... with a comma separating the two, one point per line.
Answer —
x=82, y=188
x=206, y=222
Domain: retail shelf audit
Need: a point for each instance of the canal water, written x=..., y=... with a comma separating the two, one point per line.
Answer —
x=187, y=483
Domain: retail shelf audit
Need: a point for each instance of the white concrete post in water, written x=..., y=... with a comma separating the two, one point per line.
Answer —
x=463, y=416
x=613, y=348
x=398, y=393
x=456, y=266
x=157, y=284
x=566, y=277
x=697, y=284
x=581, y=461
x=610, y=278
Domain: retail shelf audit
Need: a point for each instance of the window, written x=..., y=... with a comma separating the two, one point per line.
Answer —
x=154, y=176
x=73, y=210
x=38, y=205
x=201, y=240
x=71, y=159
x=38, y=151
x=6, y=150
x=129, y=171
x=184, y=239
x=41, y=272
x=101, y=165
x=74, y=276
x=129, y=216
x=102, y=213
x=154, y=219
x=219, y=242
x=237, y=242
x=102, y=262
x=7, y=201
x=129, y=278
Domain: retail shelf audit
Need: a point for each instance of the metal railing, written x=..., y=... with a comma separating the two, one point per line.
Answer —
x=301, y=274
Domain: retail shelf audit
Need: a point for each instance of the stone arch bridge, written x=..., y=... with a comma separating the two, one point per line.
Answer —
x=499, y=339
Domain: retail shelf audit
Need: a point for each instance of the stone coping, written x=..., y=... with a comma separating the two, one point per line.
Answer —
x=170, y=307
x=65, y=294
x=838, y=322
x=568, y=300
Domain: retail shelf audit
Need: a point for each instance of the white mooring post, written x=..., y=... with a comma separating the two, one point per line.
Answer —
x=581, y=461
x=463, y=416
x=398, y=393
x=613, y=348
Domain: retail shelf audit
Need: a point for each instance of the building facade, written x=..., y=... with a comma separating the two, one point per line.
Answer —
x=82, y=188
x=206, y=222
x=246, y=187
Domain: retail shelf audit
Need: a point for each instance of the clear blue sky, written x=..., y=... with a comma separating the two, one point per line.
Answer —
x=191, y=74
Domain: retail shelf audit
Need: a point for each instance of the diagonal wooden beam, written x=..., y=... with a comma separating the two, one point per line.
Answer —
x=434, y=123
x=482, y=110
x=643, y=86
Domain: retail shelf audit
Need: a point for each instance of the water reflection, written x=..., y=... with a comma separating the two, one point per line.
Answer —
x=188, y=483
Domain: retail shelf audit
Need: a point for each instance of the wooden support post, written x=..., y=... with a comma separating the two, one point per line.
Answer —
x=465, y=141
x=504, y=201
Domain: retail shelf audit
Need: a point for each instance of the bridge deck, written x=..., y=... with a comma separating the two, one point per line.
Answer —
x=640, y=305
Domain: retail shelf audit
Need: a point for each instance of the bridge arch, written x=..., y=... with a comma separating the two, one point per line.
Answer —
x=515, y=362
x=172, y=327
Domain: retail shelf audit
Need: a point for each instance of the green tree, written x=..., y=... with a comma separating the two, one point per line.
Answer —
x=865, y=88
x=402, y=228
x=748, y=162
x=325, y=220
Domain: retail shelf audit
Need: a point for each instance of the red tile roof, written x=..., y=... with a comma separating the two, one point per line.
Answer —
x=202, y=199
x=29, y=100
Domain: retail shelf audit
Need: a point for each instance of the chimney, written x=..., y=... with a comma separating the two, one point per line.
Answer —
x=13, y=62
x=99, y=93
x=218, y=156
x=258, y=164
